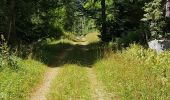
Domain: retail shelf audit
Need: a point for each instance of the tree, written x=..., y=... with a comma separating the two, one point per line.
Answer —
x=104, y=27
x=167, y=14
x=11, y=21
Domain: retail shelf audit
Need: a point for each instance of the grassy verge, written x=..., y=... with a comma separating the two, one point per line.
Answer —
x=18, y=77
x=72, y=83
x=136, y=74
x=16, y=84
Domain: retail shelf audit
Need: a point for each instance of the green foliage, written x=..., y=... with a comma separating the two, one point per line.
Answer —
x=122, y=16
x=13, y=62
x=17, y=76
x=131, y=37
x=35, y=19
x=82, y=26
x=154, y=15
x=6, y=58
x=4, y=52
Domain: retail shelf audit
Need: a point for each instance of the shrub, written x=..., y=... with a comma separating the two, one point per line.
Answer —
x=131, y=37
x=4, y=52
x=154, y=16
x=7, y=58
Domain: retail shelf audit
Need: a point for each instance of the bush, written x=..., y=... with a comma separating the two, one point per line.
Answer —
x=154, y=16
x=131, y=37
x=126, y=40
x=7, y=58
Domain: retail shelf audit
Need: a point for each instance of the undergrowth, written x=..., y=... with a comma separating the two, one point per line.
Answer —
x=16, y=84
x=17, y=75
x=136, y=74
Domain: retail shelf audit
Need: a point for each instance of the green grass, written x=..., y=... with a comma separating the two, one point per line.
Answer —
x=92, y=37
x=17, y=84
x=136, y=74
x=71, y=83
x=132, y=74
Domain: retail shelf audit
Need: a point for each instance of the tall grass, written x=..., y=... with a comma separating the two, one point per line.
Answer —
x=18, y=76
x=136, y=74
x=16, y=84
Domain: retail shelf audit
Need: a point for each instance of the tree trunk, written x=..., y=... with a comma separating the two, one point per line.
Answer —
x=167, y=14
x=11, y=22
x=103, y=31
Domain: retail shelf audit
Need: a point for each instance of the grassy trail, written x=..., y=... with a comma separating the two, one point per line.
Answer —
x=93, y=72
x=98, y=90
x=41, y=90
x=76, y=79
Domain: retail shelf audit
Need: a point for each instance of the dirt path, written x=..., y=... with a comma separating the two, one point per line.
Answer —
x=98, y=90
x=42, y=90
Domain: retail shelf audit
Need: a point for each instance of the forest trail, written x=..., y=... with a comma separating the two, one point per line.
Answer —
x=98, y=90
x=81, y=51
x=42, y=90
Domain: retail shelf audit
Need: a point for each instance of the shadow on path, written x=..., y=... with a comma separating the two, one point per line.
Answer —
x=82, y=55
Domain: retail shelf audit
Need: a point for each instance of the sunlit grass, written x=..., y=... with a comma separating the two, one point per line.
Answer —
x=17, y=84
x=136, y=74
x=92, y=37
x=71, y=84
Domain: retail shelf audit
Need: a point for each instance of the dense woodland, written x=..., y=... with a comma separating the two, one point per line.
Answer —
x=28, y=21
x=93, y=41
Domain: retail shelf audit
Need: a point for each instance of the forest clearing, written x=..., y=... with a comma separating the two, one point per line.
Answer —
x=85, y=50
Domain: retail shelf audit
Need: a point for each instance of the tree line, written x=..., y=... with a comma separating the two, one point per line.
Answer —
x=29, y=20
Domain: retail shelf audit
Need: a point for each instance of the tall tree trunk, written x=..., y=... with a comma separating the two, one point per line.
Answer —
x=103, y=32
x=167, y=14
x=11, y=22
